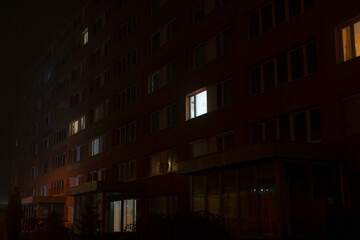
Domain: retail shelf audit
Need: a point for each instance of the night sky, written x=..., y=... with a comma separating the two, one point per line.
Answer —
x=27, y=28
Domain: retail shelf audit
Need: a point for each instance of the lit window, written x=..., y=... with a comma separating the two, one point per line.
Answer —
x=123, y=215
x=197, y=104
x=98, y=145
x=77, y=125
x=351, y=41
x=163, y=162
x=85, y=36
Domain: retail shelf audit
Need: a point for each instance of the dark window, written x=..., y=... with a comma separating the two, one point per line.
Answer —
x=315, y=124
x=199, y=56
x=300, y=133
x=224, y=94
x=226, y=41
x=172, y=115
x=270, y=130
x=229, y=141
x=257, y=135
x=297, y=64
x=255, y=81
x=308, y=4
x=172, y=71
x=284, y=126
x=269, y=75
x=266, y=18
x=282, y=69
x=254, y=25
x=294, y=7
x=155, y=122
x=311, y=58
x=227, y=92
x=219, y=95
x=155, y=42
x=199, y=10
x=279, y=11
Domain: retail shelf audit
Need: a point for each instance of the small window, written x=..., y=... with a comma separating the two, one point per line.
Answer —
x=257, y=133
x=297, y=64
x=197, y=104
x=198, y=58
x=267, y=18
x=99, y=145
x=315, y=124
x=85, y=36
x=269, y=75
x=224, y=93
x=198, y=10
x=255, y=78
x=351, y=41
x=254, y=25
x=300, y=131
x=294, y=7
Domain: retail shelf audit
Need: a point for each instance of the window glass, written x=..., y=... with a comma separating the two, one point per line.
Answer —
x=254, y=25
x=266, y=18
x=257, y=135
x=282, y=69
x=284, y=125
x=308, y=4
x=129, y=215
x=270, y=130
x=296, y=177
x=226, y=41
x=300, y=133
x=346, y=39
x=248, y=201
x=357, y=38
x=294, y=7
x=315, y=124
x=199, y=10
x=229, y=198
x=269, y=75
x=213, y=193
x=279, y=11
x=201, y=103
x=297, y=64
x=198, y=193
x=255, y=77
x=199, y=56
x=227, y=92
x=311, y=58
x=268, y=201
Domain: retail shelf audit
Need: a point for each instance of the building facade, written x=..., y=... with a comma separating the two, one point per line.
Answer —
x=245, y=109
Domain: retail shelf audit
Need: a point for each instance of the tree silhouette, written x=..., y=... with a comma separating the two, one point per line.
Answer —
x=52, y=228
x=89, y=225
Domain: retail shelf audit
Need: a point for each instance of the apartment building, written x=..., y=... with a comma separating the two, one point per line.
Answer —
x=245, y=109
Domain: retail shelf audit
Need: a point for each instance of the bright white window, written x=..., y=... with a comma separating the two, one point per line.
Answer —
x=198, y=104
